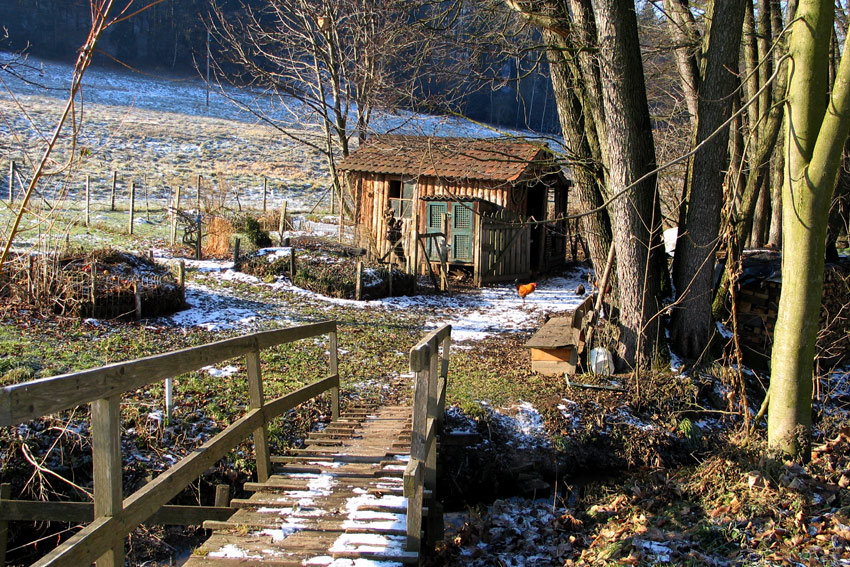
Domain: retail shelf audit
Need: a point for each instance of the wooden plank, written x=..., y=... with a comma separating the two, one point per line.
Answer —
x=107, y=471
x=261, y=434
x=93, y=540
x=31, y=400
x=552, y=355
x=83, y=512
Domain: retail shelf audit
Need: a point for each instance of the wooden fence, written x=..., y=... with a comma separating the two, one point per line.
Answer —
x=115, y=516
x=504, y=248
x=429, y=361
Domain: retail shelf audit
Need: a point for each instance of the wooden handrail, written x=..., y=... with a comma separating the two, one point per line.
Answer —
x=114, y=518
x=429, y=361
x=37, y=398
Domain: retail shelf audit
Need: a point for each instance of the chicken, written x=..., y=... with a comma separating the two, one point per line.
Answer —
x=525, y=289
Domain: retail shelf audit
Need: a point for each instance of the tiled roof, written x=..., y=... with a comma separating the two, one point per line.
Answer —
x=495, y=159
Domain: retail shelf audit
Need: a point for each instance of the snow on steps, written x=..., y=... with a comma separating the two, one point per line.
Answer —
x=336, y=503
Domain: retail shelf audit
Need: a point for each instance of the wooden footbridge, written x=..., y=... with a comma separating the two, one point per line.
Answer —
x=359, y=489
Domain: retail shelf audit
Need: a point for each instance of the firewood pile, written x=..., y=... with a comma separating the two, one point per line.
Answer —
x=757, y=303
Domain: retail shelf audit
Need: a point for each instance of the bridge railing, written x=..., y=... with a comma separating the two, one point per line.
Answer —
x=115, y=516
x=429, y=361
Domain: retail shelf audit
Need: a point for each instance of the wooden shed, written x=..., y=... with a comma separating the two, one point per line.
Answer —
x=475, y=200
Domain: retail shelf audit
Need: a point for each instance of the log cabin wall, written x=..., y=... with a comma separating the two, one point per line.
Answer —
x=513, y=176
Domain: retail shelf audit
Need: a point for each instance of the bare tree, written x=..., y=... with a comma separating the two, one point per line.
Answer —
x=329, y=64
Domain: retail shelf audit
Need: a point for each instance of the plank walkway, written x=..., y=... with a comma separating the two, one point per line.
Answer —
x=338, y=500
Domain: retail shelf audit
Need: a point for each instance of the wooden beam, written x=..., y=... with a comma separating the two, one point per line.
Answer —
x=96, y=538
x=31, y=400
x=261, y=434
x=83, y=513
x=108, y=467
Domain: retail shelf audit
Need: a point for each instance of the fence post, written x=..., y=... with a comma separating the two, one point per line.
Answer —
x=282, y=223
x=265, y=192
x=413, y=484
x=198, y=248
x=5, y=494
x=181, y=273
x=236, y=251
x=390, y=280
x=137, y=296
x=147, y=203
x=93, y=287
x=334, y=362
x=114, y=184
x=444, y=254
x=358, y=282
x=261, y=436
x=88, y=199
x=12, y=181
x=175, y=208
x=198, y=198
x=291, y=263
x=222, y=495
x=107, y=465
x=169, y=399
x=132, y=206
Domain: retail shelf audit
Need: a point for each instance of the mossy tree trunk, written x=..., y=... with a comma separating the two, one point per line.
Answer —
x=817, y=127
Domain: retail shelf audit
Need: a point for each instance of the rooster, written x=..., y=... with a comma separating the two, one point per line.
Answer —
x=525, y=289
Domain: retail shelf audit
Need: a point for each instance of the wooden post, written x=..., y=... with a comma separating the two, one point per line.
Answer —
x=282, y=223
x=12, y=181
x=88, y=200
x=236, y=251
x=181, y=273
x=114, y=184
x=198, y=248
x=261, y=435
x=358, y=282
x=222, y=495
x=93, y=287
x=137, y=295
x=333, y=348
x=107, y=465
x=30, y=290
x=413, y=256
x=390, y=280
x=132, y=206
x=175, y=208
x=265, y=192
x=147, y=203
x=5, y=494
x=292, y=263
x=169, y=400
x=476, y=251
x=444, y=254
x=198, y=198
x=341, y=217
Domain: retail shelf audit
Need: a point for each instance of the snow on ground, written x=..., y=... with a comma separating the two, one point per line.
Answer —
x=473, y=315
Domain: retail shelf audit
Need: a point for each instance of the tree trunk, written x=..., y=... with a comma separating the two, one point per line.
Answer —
x=813, y=146
x=694, y=264
x=586, y=168
x=683, y=30
x=631, y=154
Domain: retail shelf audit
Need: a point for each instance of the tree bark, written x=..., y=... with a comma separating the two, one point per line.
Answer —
x=631, y=154
x=586, y=167
x=691, y=324
x=813, y=146
x=686, y=40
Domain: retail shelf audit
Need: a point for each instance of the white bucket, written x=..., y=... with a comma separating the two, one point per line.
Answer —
x=600, y=361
